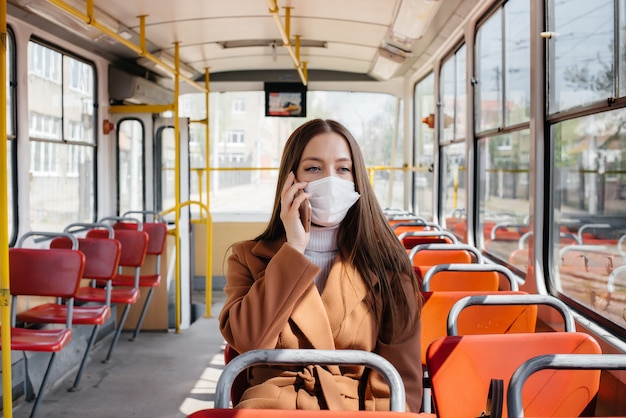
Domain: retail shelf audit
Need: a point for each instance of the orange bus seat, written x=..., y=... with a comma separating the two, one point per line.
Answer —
x=473, y=320
x=43, y=272
x=461, y=368
x=241, y=362
x=556, y=362
x=134, y=245
x=503, y=300
x=425, y=256
x=468, y=277
x=301, y=413
x=407, y=217
x=414, y=226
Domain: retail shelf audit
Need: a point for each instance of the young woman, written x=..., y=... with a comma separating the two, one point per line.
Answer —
x=346, y=283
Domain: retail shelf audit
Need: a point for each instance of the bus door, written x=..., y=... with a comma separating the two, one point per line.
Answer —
x=165, y=201
x=145, y=155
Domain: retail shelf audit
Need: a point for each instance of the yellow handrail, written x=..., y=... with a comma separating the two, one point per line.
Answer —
x=90, y=19
x=209, y=267
x=5, y=311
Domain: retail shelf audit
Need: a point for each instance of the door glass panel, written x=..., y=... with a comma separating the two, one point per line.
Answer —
x=167, y=158
x=130, y=166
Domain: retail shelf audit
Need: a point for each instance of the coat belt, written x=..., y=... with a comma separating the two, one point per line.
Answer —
x=333, y=391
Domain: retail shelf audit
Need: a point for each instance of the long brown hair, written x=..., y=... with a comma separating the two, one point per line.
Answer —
x=364, y=237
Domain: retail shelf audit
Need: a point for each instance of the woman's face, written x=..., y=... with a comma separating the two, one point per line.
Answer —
x=327, y=154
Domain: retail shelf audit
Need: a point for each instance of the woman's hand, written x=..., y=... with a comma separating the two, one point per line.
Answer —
x=290, y=201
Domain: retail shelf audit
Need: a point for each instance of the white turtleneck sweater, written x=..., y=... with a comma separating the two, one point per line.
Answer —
x=322, y=250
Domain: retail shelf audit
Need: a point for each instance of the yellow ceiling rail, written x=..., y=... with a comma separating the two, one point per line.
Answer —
x=90, y=19
x=286, y=37
x=129, y=108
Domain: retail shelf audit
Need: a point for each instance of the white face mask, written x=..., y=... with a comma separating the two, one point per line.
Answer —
x=331, y=198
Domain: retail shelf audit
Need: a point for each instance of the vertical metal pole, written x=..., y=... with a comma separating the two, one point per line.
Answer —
x=208, y=288
x=5, y=314
x=177, y=184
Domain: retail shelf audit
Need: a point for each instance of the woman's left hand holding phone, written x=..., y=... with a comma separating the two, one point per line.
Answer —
x=292, y=196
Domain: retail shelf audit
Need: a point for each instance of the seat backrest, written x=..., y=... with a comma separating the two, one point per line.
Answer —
x=559, y=361
x=45, y=272
x=300, y=413
x=433, y=254
x=102, y=256
x=406, y=217
x=412, y=238
x=502, y=299
x=473, y=320
x=425, y=256
x=414, y=226
x=461, y=368
x=467, y=277
x=240, y=383
x=134, y=244
x=157, y=234
x=313, y=357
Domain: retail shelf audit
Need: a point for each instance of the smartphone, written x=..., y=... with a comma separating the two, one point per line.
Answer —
x=305, y=214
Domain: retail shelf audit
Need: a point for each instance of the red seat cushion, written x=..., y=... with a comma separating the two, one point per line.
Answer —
x=23, y=339
x=118, y=295
x=52, y=313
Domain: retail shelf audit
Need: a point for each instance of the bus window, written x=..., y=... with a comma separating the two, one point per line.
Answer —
x=453, y=143
x=589, y=189
x=587, y=76
x=504, y=196
x=453, y=96
x=423, y=149
x=502, y=59
x=246, y=145
x=62, y=139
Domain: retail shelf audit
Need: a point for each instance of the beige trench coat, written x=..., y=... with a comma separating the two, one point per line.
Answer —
x=272, y=303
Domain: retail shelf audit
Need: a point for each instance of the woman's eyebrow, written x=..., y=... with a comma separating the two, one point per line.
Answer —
x=318, y=159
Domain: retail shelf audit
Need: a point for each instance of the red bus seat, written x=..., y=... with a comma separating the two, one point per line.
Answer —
x=43, y=272
x=412, y=238
x=134, y=245
x=157, y=235
x=101, y=262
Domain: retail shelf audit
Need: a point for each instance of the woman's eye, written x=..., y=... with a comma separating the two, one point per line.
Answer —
x=312, y=169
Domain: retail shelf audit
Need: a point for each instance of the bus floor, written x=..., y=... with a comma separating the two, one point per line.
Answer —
x=161, y=374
